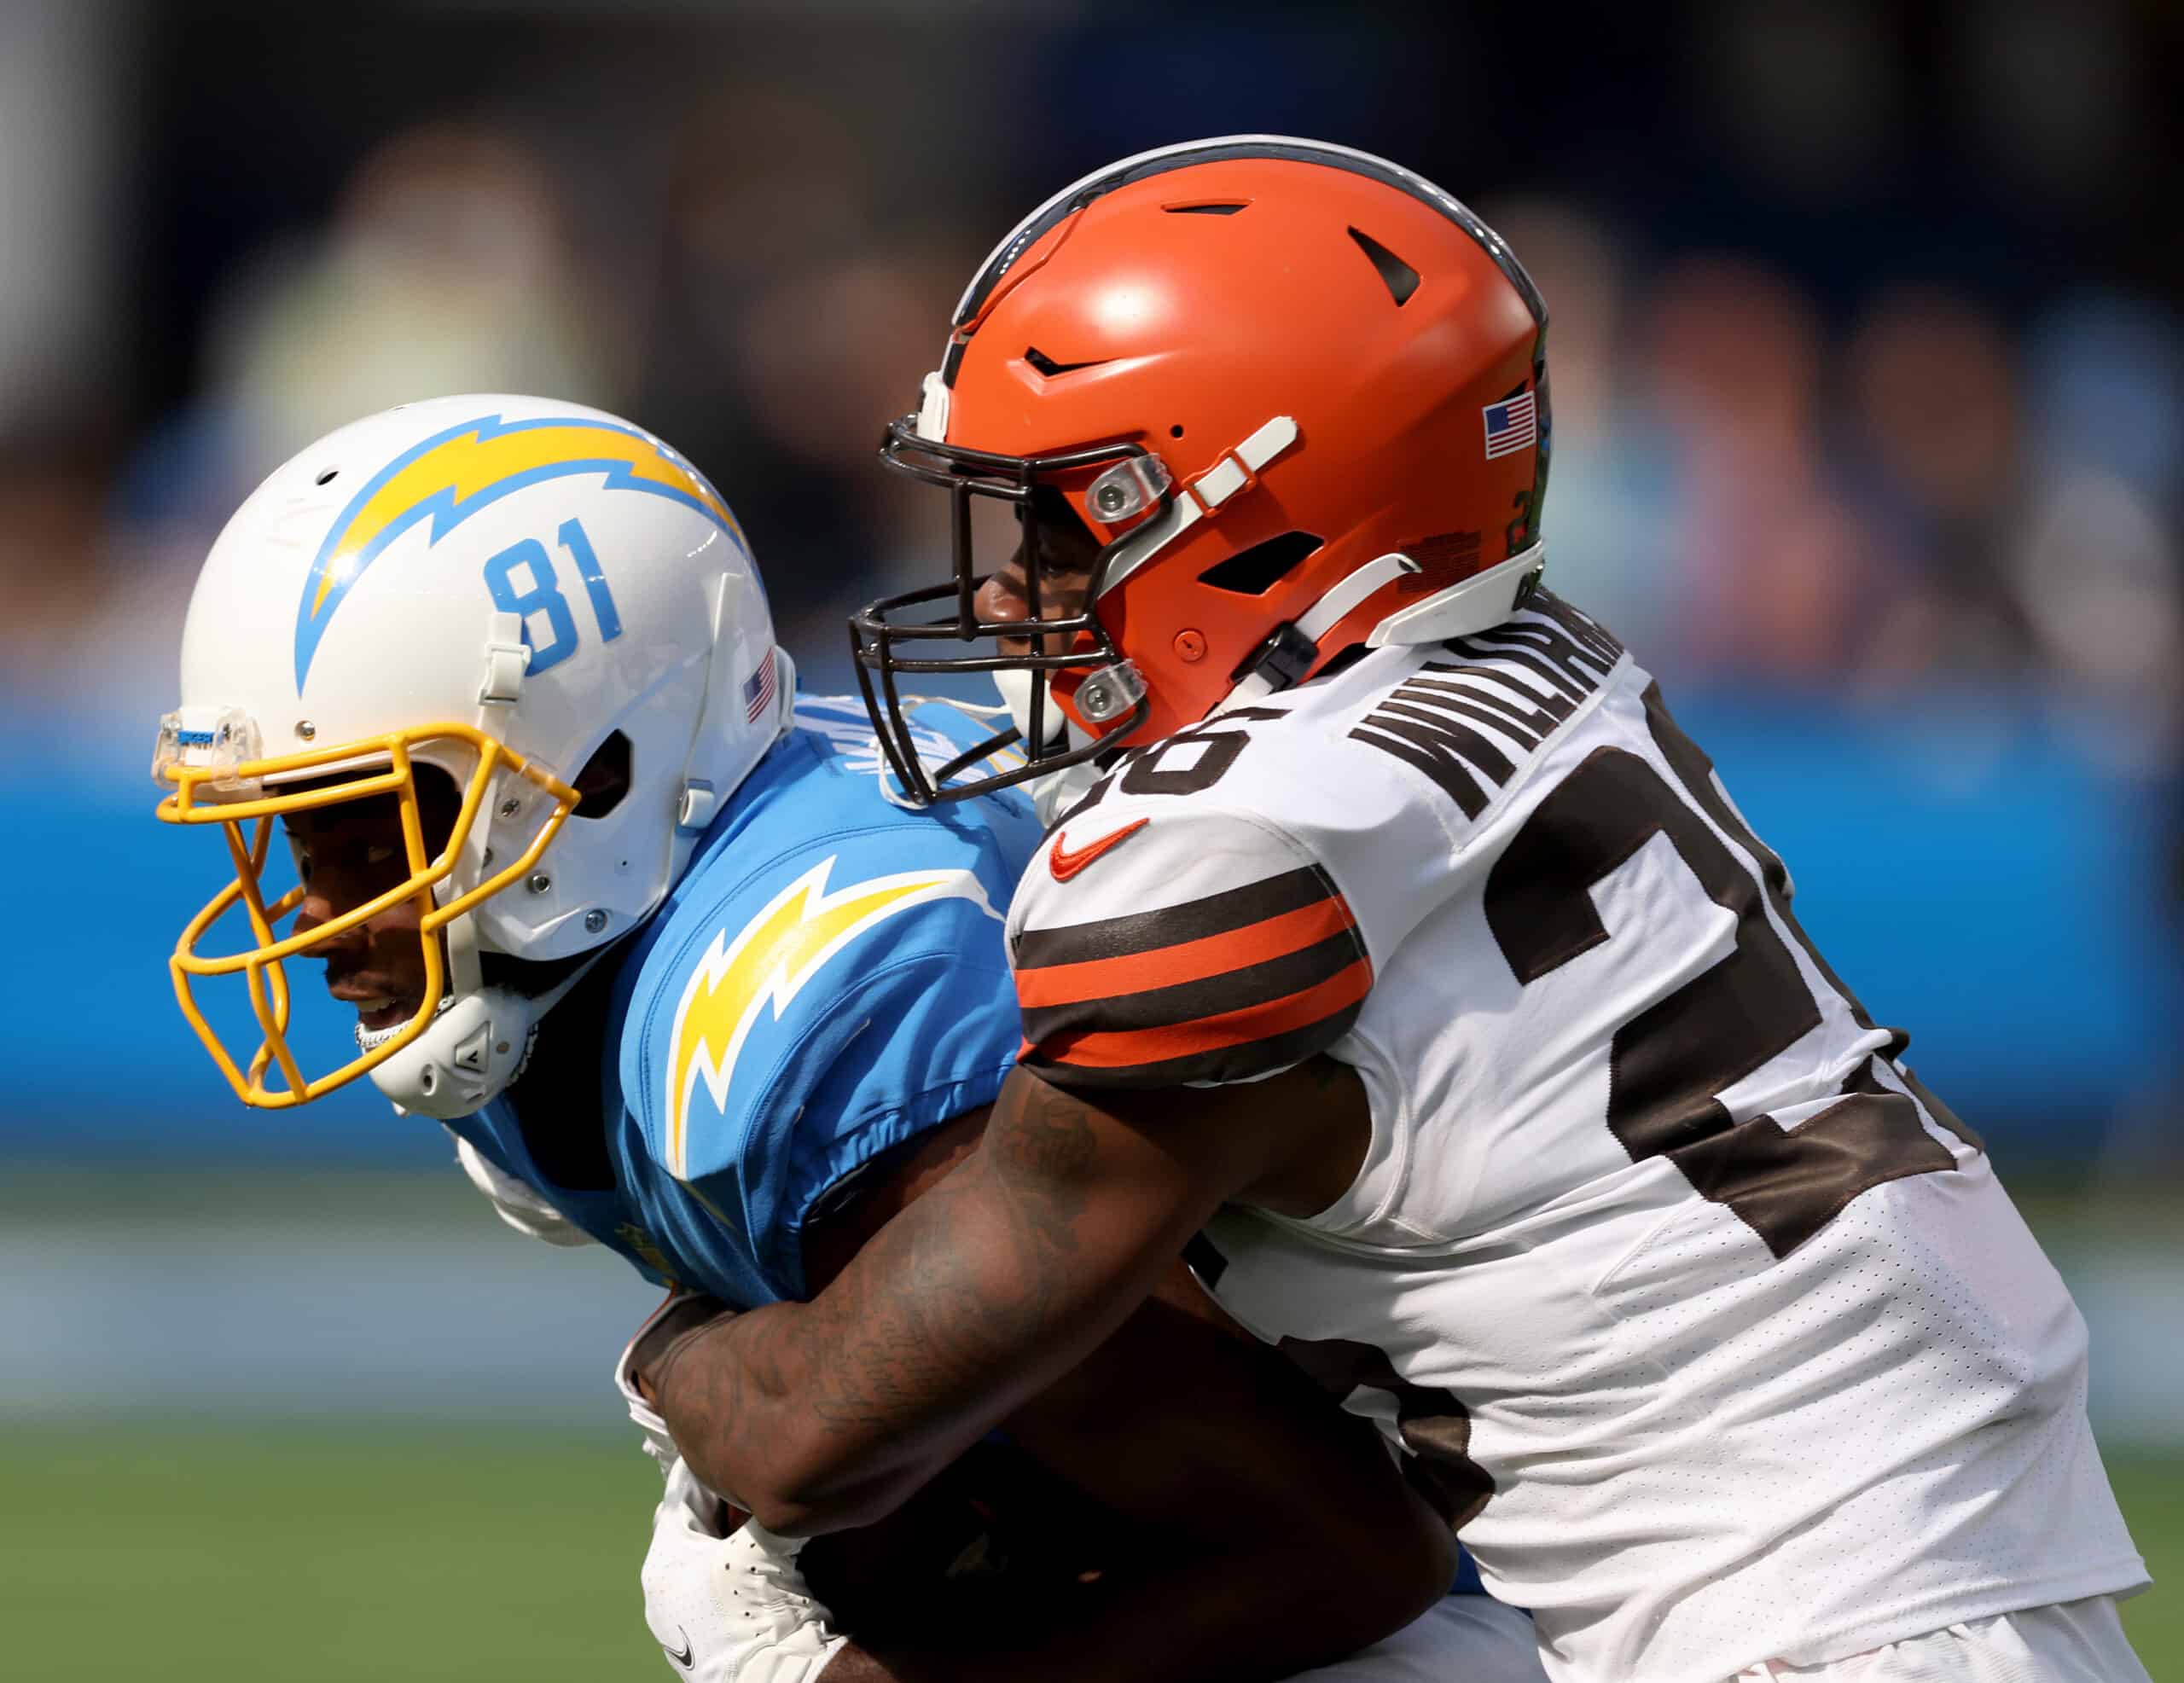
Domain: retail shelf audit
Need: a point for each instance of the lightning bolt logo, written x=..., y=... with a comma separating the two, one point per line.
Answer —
x=771, y=959
x=453, y=474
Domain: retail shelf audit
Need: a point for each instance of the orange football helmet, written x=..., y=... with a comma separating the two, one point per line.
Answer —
x=1296, y=393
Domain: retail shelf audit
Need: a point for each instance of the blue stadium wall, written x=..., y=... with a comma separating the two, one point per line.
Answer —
x=1973, y=866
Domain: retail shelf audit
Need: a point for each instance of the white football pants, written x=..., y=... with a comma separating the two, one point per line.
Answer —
x=2070, y=1642
x=1474, y=1639
x=1460, y=1639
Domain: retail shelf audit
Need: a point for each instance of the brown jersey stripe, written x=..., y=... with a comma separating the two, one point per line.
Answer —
x=1185, y=961
x=1245, y=1062
x=1099, y=1049
x=1232, y=991
x=1171, y=925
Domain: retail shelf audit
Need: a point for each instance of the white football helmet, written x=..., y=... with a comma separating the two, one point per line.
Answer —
x=500, y=588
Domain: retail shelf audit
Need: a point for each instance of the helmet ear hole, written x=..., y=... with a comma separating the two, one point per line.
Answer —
x=1257, y=570
x=605, y=778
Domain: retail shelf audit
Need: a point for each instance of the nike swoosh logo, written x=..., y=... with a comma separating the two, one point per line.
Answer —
x=682, y=1659
x=1065, y=864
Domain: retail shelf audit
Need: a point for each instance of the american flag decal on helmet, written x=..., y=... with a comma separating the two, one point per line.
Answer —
x=758, y=688
x=1513, y=424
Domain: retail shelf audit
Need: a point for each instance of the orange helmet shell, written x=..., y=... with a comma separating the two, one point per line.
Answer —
x=1185, y=309
x=1341, y=369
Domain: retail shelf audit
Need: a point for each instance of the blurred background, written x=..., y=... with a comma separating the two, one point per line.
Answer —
x=1868, y=372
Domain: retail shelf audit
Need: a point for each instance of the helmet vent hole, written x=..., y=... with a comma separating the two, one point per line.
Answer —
x=1400, y=278
x=1048, y=368
x=327, y=477
x=1257, y=570
x=605, y=778
x=1176, y=431
x=1220, y=208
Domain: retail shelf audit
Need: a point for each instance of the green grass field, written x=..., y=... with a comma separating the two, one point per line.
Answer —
x=207, y=1554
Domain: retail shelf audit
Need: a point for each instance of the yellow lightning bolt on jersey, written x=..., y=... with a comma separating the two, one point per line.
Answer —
x=771, y=959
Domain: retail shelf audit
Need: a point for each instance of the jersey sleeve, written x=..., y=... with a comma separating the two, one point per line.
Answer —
x=835, y=1000
x=1162, y=944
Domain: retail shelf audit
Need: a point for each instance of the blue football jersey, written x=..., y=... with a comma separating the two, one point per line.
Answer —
x=828, y=979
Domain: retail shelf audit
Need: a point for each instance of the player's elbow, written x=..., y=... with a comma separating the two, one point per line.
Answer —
x=780, y=1512
x=779, y=1461
x=810, y=1495
x=792, y=1511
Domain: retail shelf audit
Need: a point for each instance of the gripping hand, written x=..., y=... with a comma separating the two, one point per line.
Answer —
x=730, y=1608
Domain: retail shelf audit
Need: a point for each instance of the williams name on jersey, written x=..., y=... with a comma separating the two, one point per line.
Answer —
x=1708, y=1325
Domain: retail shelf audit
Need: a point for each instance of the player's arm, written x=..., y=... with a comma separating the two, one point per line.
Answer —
x=1249, y=1522
x=1013, y=1270
x=1210, y=949
x=1269, y=1530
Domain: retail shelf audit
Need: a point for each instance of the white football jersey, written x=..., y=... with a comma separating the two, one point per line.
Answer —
x=1708, y=1325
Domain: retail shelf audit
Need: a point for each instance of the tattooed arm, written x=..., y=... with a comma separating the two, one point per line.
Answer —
x=1010, y=1271
x=1226, y=1503
x=1220, y=1496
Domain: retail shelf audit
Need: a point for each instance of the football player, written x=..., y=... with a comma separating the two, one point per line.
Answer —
x=644, y=929
x=1400, y=944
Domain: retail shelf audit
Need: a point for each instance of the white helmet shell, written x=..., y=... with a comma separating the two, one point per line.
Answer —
x=547, y=572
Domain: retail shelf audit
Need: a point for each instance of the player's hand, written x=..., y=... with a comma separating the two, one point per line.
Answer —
x=682, y=1312
x=733, y=1608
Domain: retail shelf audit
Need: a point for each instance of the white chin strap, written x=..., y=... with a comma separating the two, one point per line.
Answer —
x=1058, y=791
x=474, y=1047
x=478, y=1042
x=1017, y=688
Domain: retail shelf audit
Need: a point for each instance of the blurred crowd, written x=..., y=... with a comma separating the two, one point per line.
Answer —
x=1843, y=402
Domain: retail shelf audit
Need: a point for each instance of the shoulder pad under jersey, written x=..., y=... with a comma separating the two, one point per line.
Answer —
x=1214, y=908
x=1188, y=922
x=828, y=978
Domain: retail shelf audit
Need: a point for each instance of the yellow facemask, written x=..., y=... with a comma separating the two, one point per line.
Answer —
x=216, y=783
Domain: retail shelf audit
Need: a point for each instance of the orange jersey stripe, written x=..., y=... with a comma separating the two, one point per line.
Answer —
x=1185, y=961
x=1131, y=1047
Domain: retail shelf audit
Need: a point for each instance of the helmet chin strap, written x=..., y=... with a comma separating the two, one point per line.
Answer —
x=474, y=1049
x=465, y=973
x=480, y=1037
x=1017, y=688
x=1056, y=792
